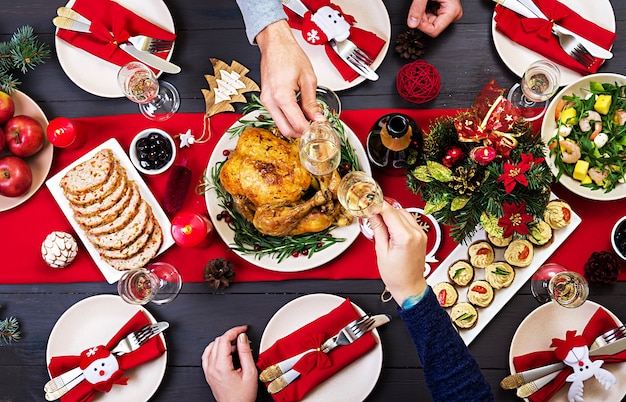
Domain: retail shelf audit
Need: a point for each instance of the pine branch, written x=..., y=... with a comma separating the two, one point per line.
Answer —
x=9, y=330
x=23, y=52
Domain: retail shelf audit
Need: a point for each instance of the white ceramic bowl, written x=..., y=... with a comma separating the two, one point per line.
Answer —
x=616, y=228
x=132, y=151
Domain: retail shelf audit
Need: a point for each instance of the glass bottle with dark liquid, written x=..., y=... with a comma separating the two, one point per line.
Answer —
x=394, y=144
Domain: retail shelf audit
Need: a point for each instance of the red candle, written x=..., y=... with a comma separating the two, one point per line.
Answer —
x=192, y=230
x=65, y=133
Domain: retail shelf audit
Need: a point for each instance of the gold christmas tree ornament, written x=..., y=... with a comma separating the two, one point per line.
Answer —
x=226, y=86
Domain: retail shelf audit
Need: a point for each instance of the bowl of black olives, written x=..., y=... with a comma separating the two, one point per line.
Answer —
x=618, y=238
x=152, y=151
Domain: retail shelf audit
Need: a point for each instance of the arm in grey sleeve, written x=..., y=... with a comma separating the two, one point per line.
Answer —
x=257, y=14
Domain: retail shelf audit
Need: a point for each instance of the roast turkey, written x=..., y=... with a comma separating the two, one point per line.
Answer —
x=272, y=189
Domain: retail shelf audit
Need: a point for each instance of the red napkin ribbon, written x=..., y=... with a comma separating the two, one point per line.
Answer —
x=367, y=41
x=599, y=323
x=85, y=391
x=111, y=24
x=536, y=33
x=316, y=367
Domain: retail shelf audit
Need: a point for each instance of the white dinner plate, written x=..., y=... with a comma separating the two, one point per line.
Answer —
x=549, y=321
x=350, y=232
x=502, y=296
x=94, y=321
x=40, y=162
x=355, y=381
x=98, y=76
x=111, y=274
x=517, y=58
x=580, y=88
x=370, y=15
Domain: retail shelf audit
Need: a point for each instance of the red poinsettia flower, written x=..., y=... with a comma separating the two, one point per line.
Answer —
x=514, y=174
x=515, y=219
x=530, y=159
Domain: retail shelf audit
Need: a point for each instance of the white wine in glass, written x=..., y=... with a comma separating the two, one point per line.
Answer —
x=554, y=282
x=320, y=149
x=540, y=81
x=158, y=283
x=360, y=194
x=158, y=100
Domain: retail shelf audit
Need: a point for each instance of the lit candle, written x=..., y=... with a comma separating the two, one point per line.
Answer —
x=65, y=133
x=192, y=230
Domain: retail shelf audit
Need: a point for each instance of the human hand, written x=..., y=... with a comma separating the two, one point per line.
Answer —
x=286, y=70
x=432, y=23
x=226, y=382
x=400, y=252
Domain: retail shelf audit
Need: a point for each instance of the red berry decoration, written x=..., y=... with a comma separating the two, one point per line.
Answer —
x=602, y=267
x=452, y=156
x=418, y=82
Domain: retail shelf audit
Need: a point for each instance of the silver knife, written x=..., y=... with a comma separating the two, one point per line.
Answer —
x=146, y=57
x=528, y=9
x=289, y=374
x=63, y=383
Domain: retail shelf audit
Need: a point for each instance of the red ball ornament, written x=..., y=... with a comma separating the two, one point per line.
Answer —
x=418, y=82
x=452, y=156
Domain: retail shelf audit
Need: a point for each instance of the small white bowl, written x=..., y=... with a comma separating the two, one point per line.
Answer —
x=616, y=228
x=134, y=157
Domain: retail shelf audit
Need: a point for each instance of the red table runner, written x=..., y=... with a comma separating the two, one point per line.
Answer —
x=24, y=227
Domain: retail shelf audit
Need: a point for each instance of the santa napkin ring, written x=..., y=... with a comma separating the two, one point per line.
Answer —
x=325, y=24
x=574, y=352
x=101, y=368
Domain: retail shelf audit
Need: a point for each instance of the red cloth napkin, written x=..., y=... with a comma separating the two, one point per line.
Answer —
x=84, y=391
x=111, y=24
x=367, y=41
x=598, y=324
x=317, y=366
x=536, y=33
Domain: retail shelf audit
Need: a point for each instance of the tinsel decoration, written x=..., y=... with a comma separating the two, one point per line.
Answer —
x=418, y=82
x=22, y=52
x=219, y=273
x=602, y=267
x=410, y=44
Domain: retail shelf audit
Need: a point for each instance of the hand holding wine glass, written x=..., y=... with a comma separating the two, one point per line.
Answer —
x=540, y=81
x=158, y=100
x=158, y=283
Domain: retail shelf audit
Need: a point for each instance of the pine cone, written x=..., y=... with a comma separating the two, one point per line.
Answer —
x=465, y=180
x=410, y=45
x=602, y=267
x=219, y=273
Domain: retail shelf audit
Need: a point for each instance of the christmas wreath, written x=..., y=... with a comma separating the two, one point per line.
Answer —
x=483, y=167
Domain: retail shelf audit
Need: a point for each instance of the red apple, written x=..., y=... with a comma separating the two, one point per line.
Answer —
x=7, y=107
x=24, y=135
x=2, y=139
x=15, y=176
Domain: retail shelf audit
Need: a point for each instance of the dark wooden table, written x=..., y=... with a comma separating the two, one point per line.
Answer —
x=466, y=59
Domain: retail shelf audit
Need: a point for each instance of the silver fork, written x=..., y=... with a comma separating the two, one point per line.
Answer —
x=346, y=336
x=70, y=19
x=60, y=385
x=354, y=330
x=609, y=337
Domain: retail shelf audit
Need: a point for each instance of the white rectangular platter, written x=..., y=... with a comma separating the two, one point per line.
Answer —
x=110, y=274
x=502, y=296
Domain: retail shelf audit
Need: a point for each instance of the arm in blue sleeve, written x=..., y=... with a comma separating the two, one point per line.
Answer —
x=258, y=14
x=450, y=370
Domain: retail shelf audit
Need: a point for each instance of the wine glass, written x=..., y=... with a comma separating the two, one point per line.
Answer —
x=158, y=100
x=158, y=283
x=327, y=100
x=539, y=82
x=360, y=194
x=554, y=282
x=320, y=149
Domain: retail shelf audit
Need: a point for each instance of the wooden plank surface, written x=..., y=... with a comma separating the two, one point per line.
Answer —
x=466, y=59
